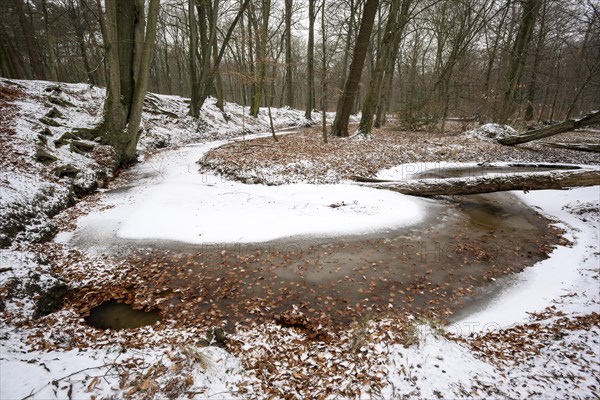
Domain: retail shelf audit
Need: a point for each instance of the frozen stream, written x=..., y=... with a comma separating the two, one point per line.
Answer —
x=227, y=249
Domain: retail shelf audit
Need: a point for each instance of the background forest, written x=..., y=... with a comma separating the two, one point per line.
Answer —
x=520, y=61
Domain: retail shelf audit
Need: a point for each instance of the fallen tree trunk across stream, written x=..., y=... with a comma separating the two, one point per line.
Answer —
x=562, y=179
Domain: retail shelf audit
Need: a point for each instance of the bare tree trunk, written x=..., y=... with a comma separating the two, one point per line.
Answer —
x=29, y=35
x=324, y=73
x=270, y=99
x=397, y=19
x=261, y=55
x=370, y=103
x=518, y=56
x=52, y=63
x=348, y=45
x=203, y=81
x=218, y=80
x=130, y=44
x=194, y=78
x=345, y=103
x=310, y=63
x=385, y=92
x=101, y=18
x=11, y=64
x=251, y=60
x=494, y=50
x=289, y=80
x=593, y=66
x=76, y=21
x=167, y=66
x=536, y=62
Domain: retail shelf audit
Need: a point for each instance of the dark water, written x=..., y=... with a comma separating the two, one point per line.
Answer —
x=483, y=170
x=435, y=267
x=117, y=316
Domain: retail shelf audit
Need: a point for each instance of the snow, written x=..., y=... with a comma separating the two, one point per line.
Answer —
x=566, y=271
x=28, y=195
x=491, y=132
x=434, y=366
x=569, y=269
x=29, y=190
x=408, y=171
x=178, y=203
x=196, y=213
x=79, y=374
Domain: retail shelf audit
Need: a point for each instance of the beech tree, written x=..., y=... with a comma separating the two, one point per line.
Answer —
x=202, y=79
x=289, y=79
x=346, y=100
x=310, y=62
x=386, y=60
x=261, y=55
x=28, y=33
x=129, y=43
x=518, y=56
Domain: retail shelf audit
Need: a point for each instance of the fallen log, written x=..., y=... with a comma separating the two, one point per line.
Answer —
x=592, y=118
x=589, y=147
x=562, y=179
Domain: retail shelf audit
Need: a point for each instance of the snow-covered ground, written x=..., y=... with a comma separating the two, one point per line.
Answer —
x=491, y=132
x=175, y=202
x=500, y=350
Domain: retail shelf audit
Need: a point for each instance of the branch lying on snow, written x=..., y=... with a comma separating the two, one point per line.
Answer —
x=488, y=184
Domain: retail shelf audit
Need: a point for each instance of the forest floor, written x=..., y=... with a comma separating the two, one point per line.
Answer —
x=305, y=158
x=162, y=236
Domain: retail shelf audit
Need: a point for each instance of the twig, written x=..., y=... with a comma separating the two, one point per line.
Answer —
x=64, y=377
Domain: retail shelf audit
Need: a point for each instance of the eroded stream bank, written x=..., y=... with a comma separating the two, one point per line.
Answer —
x=434, y=268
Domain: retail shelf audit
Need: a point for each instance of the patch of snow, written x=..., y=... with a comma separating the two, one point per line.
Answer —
x=81, y=374
x=491, y=132
x=26, y=193
x=196, y=213
x=24, y=278
x=434, y=368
